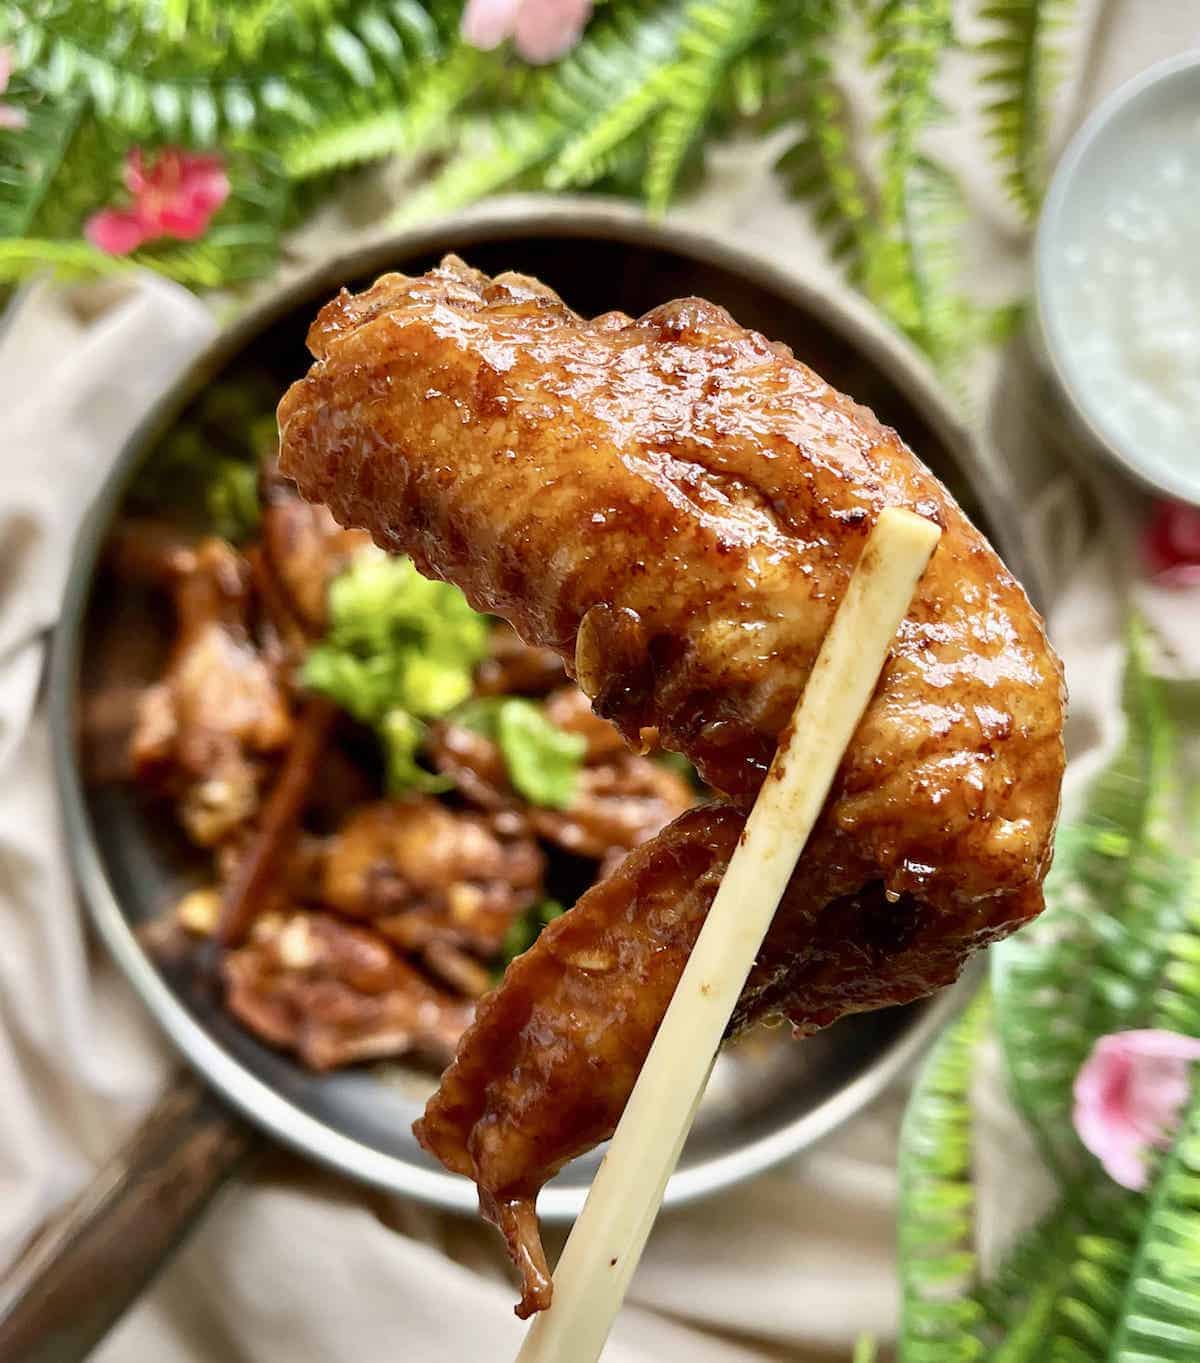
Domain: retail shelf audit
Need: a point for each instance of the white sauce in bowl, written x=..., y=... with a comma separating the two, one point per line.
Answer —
x=1119, y=279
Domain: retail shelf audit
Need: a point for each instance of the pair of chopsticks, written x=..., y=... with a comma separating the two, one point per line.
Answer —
x=607, y=1240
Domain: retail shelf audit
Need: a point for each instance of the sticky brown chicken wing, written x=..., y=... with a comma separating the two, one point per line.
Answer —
x=203, y=731
x=675, y=505
x=336, y=993
x=620, y=798
x=436, y=882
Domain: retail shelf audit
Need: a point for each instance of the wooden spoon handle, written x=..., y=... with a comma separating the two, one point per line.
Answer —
x=81, y=1273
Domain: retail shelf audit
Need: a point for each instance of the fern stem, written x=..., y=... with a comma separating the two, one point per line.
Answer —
x=940, y=1315
x=1024, y=67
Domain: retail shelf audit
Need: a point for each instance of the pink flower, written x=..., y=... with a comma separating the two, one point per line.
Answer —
x=176, y=197
x=10, y=116
x=543, y=29
x=1128, y=1097
x=1171, y=544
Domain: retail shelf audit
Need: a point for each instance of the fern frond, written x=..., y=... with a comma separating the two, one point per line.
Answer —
x=910, y=41
x=941, y=1317
x=1023, y=69
x=715, y=34
x=230, y=75
x=1159, y=1314
x=66, y=47
x=415, y=120
x=21, y=257
x=31, y=156
x=934, y=215
x=1087, y=1312
x=211, y=31
x=625, y=78
x=503, y=147
x=1115, y=898
x=582, y=110
x=820, y=166
x=1019, y=1301
x=921, y=203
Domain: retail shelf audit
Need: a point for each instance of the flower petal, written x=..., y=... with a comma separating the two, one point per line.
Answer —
x=486, y=23
x=6, y=67
x=547, y=29
x=134, y=173
x=11, y=117
x=203, y=188
x=1171, y=544
x=1128, y=1097
x=115, y=230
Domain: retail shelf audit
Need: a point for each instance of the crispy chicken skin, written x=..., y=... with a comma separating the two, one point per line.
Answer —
x=675, y=505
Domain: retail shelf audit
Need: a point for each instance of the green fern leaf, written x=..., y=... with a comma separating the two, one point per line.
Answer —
x=502, y=148
x=910, y=41
x=941, y=1317
x=30, y=156
x=1020, y=1300
x=934, y=215
x=921, y=203
x=624, y=76
x=821, y=166
x=207, y=73
x=1115, y=897
x=1023, y=68
x=1177, y=999
x=1159, y=1313
x=715, y=34
x=556, y=123
x=21, y=257
x=415, y=120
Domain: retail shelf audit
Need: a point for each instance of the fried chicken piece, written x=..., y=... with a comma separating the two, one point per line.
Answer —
x=429, y=877
x=336, y=994
x=203, y=730
x=675, y=505
x=305, y=549
x=515, y=668
x=620, y=799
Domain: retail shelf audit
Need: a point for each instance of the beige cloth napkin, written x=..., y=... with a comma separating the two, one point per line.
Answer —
x=293, y=1263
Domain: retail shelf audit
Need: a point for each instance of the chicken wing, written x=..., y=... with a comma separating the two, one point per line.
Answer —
x=675, y=505
x=203, y=731
x=336, y=994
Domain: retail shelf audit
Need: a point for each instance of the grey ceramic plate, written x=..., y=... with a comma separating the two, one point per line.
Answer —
x=770, y=1097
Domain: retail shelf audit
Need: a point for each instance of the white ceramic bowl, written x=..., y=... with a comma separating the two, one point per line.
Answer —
x=1119, y=135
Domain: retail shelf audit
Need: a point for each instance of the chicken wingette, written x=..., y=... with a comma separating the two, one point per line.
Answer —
x=675, y=505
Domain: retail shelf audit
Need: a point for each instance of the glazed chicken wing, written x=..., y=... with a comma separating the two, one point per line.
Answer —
x=620, y=798
x=203, y=730
x=335, y=993
x=435, y=882
x=675, y=505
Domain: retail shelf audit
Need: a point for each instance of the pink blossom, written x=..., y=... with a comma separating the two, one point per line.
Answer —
x=10, y=116
x=543, y=30
x=175, y=197
x=1128, y=1097
x=1171, y=544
